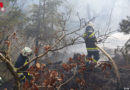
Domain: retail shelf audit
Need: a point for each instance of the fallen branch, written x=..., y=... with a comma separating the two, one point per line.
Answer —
x=11, y=69
x=75, y=70
x=36, y=58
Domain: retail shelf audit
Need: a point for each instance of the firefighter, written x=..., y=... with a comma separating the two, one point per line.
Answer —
x=23, y=59
x=1, y=81
x=90, y=41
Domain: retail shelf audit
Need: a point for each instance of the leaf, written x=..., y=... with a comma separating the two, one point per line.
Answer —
x=26, y=84
x=82, y=83
x=8, y=43
x=46, y=83
x=70, y=59
x=5, y=89
x=62, y=76
x=78, y=80
x=60, y=79
x=46, y=47
x=110, y=66
x=104, y=67
x=73, y=65
x=54, y=73
x=38, y=65
x=43, y=66
x=66, y=67
x=83, y=55
x=35, y=87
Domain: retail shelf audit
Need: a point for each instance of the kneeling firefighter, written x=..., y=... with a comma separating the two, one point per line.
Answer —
x=23, y=59
x=90, y=41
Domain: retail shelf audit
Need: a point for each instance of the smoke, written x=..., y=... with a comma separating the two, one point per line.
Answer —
x=102, y=9
x=105, y=11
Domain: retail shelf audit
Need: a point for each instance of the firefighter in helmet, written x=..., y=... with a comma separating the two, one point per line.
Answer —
x=1, y=81
x=90, y=41
x=23, y=59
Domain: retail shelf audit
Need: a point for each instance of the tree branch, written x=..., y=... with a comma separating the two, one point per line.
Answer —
x=75, y=70
x=11, y=69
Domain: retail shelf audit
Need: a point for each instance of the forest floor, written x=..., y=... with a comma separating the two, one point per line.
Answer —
x=96, y=80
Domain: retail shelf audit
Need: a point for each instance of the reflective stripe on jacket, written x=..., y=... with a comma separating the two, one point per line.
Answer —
x=91, y=35
x=92, y=49
x=93, y=60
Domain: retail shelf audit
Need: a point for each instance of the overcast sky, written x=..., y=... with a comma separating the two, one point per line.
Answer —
x=102, y=9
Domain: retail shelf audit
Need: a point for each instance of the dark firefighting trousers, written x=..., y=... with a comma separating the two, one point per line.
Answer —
x=94, y=54
x=25, y=75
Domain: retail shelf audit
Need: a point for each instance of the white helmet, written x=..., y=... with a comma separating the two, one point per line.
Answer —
x=0, y=78
x=90, y=24
x=26, y=51
x=90, y=27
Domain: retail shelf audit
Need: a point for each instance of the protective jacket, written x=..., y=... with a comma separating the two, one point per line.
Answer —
x=21, y=60
x=90, y=41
